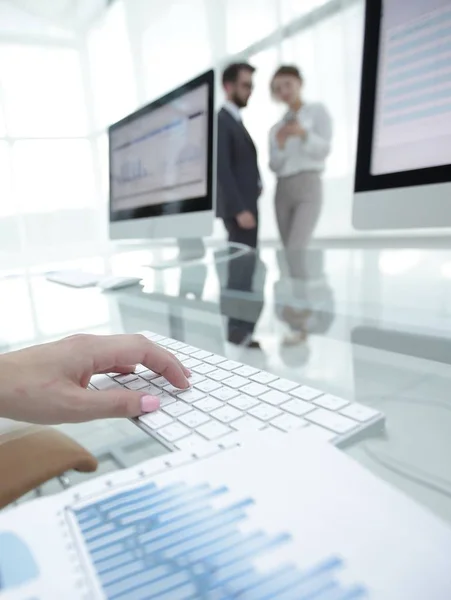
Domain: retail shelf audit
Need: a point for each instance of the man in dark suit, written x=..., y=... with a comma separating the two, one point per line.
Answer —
x=239, y=187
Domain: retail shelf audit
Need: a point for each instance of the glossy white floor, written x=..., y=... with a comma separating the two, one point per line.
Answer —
x=385, y=342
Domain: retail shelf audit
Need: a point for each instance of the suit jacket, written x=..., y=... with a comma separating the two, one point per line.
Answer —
x=239, y=183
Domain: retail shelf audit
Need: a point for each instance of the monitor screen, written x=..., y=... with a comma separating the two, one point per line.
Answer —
x=405, y=118
x=160, y=156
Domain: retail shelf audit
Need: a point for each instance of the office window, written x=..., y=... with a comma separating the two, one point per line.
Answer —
x=111, y=63
x=42, y=91
x=320, y=54
x=53, y=175
x=7, y=206
x=261, y=115
x=2, y=116
x=176, y=46
x=248, y=21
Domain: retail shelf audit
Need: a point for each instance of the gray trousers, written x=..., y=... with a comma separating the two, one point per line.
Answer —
x=298, y=207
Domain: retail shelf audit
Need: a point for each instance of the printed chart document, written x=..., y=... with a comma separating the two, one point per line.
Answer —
x=287, y=519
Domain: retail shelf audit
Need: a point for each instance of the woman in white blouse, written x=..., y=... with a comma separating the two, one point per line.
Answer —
x=299, y=146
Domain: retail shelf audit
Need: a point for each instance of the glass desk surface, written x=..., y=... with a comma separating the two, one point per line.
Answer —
x=373, y=325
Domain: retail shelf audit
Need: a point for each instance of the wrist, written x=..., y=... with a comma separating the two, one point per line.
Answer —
x=7, y=370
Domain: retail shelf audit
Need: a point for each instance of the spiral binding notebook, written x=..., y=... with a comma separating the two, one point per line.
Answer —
x=287, y=519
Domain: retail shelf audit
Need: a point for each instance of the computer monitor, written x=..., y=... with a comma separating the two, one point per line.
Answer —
x=162, y=176
x=403, y=171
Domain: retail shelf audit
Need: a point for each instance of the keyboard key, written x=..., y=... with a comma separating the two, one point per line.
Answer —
x=153, y=337
x=236, y=382
x=298, y=407
x=243, y=402
x=265, y=412
x=171, y=389
x=246, y=371
x=274, y=397
x=156, y=419
x=103, y=382
x=208, y=404
x=219, y=375
x=204, y=369
x=288, y=422
x=191, y=363
x=254, y=389
x=166, y=342
x=213, y=430
x=359, y=412
x=230, y=365
x=201, y=354
x=214, y=359
x=306, y=393
x=194, y=418
x=149, y=375
x=137, y=384
x=165, y=399
x=195, y=378
x=177, y=408
x=224, y=394
x=177, y=345
x=152, y=390
x=191, y=396
x=188, y=350
x=226, y=414
x=248, y=423
x=330, y=402
x=331, y=420
x=123, y=379
x=174, y=432
x=263, y=377
x=160, y=381
x=208, y=386
x=140, y=369
x=284, y=385
x=192, y=442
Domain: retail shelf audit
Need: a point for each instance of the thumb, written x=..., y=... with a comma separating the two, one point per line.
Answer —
x=117, y=403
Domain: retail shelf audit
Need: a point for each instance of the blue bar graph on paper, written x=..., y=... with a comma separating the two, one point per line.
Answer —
x=171, y=543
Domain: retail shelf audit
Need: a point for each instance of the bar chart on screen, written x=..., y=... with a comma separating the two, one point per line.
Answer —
x=172, y=543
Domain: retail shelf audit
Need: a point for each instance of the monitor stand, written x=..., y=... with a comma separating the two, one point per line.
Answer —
x=191, y=252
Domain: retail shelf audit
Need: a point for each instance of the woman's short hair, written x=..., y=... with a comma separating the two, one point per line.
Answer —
x=286, y=70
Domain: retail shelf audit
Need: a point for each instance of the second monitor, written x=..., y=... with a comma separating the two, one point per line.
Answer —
x=161, y=161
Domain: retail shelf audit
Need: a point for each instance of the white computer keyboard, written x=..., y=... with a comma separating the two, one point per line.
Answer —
x=228, y=399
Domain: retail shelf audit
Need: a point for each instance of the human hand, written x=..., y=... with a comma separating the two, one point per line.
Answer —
x=293, y=128
x=47, y=384
x=246, y=220
x=281, y=137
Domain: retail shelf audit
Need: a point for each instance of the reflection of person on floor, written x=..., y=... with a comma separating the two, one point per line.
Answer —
x=239, y=187
x=306, y=305
x=299, y=146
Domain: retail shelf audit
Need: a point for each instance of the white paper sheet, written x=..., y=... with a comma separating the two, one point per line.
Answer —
x=281, y=520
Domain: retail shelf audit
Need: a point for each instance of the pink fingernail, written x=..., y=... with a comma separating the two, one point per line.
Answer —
x=150, y=403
